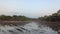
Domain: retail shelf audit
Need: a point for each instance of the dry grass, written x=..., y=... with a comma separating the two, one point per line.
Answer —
x=54, y=25
x=13, y=22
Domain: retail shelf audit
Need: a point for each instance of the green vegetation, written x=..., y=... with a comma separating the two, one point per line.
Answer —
x=13, y=18
x=52, y=21
x=53, y=17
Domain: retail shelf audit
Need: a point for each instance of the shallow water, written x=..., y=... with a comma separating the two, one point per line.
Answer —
x=30, y=28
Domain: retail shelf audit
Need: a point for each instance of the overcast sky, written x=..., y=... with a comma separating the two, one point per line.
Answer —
x=29, y=8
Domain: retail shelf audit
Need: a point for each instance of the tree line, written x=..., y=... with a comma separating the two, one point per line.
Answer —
x=53, y=17
x=13, y=18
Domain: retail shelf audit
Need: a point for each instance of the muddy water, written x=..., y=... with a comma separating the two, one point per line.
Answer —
x=30, y=28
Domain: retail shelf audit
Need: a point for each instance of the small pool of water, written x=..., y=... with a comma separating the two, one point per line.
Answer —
x=30, y=28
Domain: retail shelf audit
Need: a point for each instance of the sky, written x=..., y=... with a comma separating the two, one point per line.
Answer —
x=29, y=8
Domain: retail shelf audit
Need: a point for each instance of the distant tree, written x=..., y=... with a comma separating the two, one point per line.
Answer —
x=2, y=17
x=14, y=17
x=58, y=11
x=53, y=17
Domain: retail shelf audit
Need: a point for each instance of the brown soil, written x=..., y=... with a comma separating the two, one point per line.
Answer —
x=54, y=25
x=13, y=22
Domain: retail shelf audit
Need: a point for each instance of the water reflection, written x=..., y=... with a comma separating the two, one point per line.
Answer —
x=30, y=28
